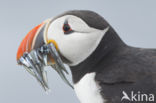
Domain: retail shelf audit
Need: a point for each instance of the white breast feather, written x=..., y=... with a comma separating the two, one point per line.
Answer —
x=87, y=90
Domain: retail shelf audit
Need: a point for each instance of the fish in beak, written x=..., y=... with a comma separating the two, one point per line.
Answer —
x=35, y=53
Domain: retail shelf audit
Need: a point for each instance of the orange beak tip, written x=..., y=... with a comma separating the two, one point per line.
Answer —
x=26, y=44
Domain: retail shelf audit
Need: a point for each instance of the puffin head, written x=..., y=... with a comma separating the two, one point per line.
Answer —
x=74, y=34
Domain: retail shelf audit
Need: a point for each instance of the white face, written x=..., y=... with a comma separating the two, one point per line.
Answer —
x=77, y=45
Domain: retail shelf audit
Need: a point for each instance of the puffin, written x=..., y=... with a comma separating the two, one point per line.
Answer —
x=104, y=68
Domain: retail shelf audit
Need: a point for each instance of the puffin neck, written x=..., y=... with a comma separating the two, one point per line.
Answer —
x=110, y=43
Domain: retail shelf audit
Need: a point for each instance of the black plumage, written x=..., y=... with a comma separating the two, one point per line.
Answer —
x=118, y=67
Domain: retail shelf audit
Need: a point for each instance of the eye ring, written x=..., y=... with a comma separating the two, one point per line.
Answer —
x=67, y=29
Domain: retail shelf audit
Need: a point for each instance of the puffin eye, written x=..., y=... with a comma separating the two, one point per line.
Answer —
x=67, y=29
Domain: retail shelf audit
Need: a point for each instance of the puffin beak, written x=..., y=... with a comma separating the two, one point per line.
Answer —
x=35, y=53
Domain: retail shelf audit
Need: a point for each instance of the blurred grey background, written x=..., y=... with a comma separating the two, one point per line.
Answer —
x=134, y=20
